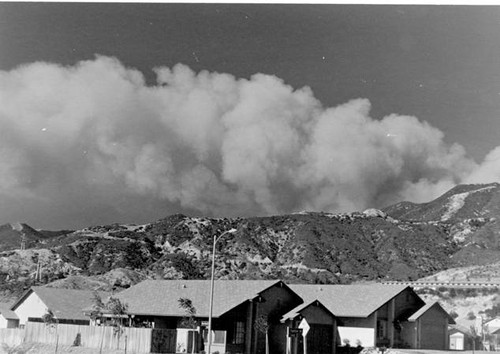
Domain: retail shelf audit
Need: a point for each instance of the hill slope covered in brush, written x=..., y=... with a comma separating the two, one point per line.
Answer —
x=405, y=241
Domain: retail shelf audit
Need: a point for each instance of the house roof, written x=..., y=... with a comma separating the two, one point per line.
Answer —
x=64, y=303
x=6, y=312
x=456, y=328
x=299, y=309
x=160, y=297
x=426, y=308
x=349, y=300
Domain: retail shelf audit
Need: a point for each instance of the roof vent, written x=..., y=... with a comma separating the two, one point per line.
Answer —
x=184, y=286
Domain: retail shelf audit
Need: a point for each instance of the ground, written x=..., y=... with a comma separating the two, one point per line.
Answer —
x=429, y=351
x=37, y=348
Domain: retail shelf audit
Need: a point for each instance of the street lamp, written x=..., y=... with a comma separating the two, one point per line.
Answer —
x=212, y=288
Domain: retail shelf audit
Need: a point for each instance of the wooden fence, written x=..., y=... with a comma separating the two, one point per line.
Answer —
x=133, y=340
x=11, y=336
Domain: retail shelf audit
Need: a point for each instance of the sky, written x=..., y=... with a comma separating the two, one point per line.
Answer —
x=129, y=112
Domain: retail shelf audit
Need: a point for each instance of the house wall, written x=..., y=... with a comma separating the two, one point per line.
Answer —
x=8, y=323
x=229, y=323
x=276, y=301
x=367, y=322
x=317, y=315
x=3, y=322
x=433, y=328
x=457, y=341
x=32, y=306
x=323, y=332
x=407, y=302
x=163, y=322
x=408, y=335
x=383, y=320
x=493, y=324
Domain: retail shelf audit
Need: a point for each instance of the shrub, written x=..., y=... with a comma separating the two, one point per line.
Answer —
x=471, y=316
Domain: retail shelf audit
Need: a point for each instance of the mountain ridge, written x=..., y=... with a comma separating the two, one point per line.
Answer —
x=406, y=241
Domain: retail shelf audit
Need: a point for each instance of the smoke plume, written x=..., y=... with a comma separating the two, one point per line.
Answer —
x=92, y=142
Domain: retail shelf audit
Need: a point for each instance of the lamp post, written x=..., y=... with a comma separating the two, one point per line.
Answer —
x=212, y=288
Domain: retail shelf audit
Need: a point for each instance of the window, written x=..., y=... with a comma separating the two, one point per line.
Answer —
x=381, y=328
x=219, y=337
x=238, y=333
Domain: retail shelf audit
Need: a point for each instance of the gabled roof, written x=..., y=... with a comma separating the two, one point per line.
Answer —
x=426, y=308
x=300, y=309
x=456, y=328
x=160, y=297
x=349, y=300
x=66, y=304
x=6, y=312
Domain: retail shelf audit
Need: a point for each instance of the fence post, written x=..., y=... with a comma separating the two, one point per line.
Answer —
x=57, y=341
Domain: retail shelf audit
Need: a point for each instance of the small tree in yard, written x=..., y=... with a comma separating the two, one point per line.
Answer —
x=97, y=307
x=476, y=337
x=113, y=306
x=262, y=325
x=189, y=320
x=118, y=310
x=50, y=321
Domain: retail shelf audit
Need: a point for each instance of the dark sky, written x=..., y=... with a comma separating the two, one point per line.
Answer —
x=440, y=64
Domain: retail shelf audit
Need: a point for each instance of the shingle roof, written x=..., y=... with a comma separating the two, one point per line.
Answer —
x=298, y=310
x=64, y=303
x=7, y=312
x=160, y=297
x=349, y=300
x=426, y=308
x=458, y=328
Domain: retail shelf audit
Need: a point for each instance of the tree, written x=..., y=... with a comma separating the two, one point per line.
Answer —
x=262, y=325
x=97, y=306
x=118, y=311
x=187, y=305
x=476, y=337
x=50, y=321
x=189, y=320
x=114, y=307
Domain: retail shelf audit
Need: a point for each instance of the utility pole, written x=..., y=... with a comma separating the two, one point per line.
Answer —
x=23, y=241
x=212, y=289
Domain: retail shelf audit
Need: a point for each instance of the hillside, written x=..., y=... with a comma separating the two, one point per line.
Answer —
x=460, y=203
x=404, y=242
x=308, y=247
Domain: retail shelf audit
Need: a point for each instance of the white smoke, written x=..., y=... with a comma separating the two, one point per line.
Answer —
x=93, y=139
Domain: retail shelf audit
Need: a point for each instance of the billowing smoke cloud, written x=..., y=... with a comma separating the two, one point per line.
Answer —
x=93, y=142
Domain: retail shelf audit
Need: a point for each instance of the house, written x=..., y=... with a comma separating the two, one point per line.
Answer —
x=460, y=338
x=320, y=324
x=237, y=306
x=491, y=329
x=366, y=315
x=428, y=327
x=378, y=307
x=8, y=318
x=66, y=304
